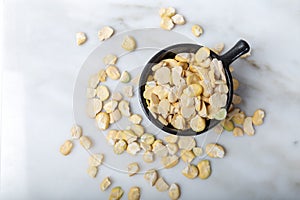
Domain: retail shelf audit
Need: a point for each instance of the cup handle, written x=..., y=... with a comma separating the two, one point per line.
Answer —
x=239, y=49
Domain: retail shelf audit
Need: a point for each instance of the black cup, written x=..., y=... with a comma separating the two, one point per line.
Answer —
x=240, y=48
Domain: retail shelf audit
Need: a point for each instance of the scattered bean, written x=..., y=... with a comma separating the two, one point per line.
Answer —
x=111, y=136
x=197, y=151
x=94, y=80
x=103, y=92
x=172, y=148
x=76, y=131
x=197, y=30
x=133, y=168
x=135, y=119
x=120, y=146
x=137, y=129
x=218, y=128
x=151, y=176
x=218, y=48
x=106, y=182
x=190, y=171
x=110, y=59
x=128, y=91
x=186, y=142
x=169, y=12
x=92, y=171
x=147, y=138
x=128, y=135
x=239, y=118
x=228, y=125
x=171, y=138
x=174, y=191
x=113, y=72
x=169, y=161
x=105, y=33
x=148, y=157
x=125, y=77
x=116, y=96
x=80, y=38
x=214, y=150
x=236, y=84
x=161, y=185
x=248, y=126
x=110, y=106
x=124, y=108
x=66, y=148
x=90, y=93
x=187, y=155
x=258, y=117
x=85, y=142
x=115, y=116
x=134, y=193
x=246, y=55
x=96, y=159
x=102, y=120
x=236, y=99
x=204, y=169
x=133, y=148
x=129, y=43
x=166, y=23
x=102, y=75
x=178, y=19
x=116, y=193
x=237, y=131
x=159, y=149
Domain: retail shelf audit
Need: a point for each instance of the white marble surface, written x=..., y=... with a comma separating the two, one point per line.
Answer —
x=41, y=62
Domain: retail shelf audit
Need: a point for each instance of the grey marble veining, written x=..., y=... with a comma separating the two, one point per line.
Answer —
x=40, y=66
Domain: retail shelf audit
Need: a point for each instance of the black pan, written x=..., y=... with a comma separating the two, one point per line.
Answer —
x=240, y=48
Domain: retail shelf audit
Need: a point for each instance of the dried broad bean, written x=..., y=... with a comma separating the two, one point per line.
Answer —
x=85, y=142
x=116, y=193
x=161, y=185
x=190, y=171
x=106, y=182
x=76, y=131
x=178, y=19
x=174, y=191
x=80, y=38
x=113, y=72
x=110, y=59
x=134, y=193
x=105, y=33
x=197, y=30
x=204, y=169
x=258, y=117
x=66, y=147
x=96, y=159
x=151, y=176
x=129, y=43
x=92, y=171
x=248, y=126
x=214, y=150
x=133, y=168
